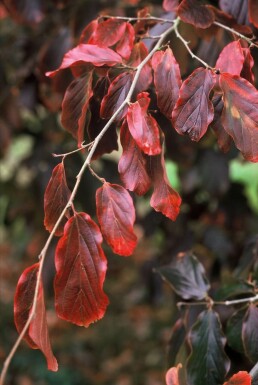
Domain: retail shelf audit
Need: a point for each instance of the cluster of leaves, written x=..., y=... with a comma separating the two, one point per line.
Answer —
x=108, y=85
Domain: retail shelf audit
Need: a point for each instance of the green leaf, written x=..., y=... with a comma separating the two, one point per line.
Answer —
x=250, y=333
x=234, y=330
x=234, y=289
x=186, y=275
x=208, y=363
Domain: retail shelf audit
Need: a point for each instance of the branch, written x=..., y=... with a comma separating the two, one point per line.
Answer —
x=86, y=163
x=249, y=41
x=225, y=303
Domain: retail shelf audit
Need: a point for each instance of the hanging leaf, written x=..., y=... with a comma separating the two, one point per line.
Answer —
x=190, y=11
x=240, y=378
x=253, y=12
x=167, y=80
x=193, y=111
x=89, y=54
x=116, y=216
x=142, y=126
x=224, y=140
x=234, y=330
x=80, y=272
x=139, y=53
x=108, y=32
x=37, y=334
x=240, y=114
x=117, y=93
x=172, y=375
x=75, y=106
x=56, y=196
x=186, y=275
x=170, y=5
x=235, y=64
x=250, y=333
x=125, y=45
x=247, y=72
x=208, y=363
x=132, y=165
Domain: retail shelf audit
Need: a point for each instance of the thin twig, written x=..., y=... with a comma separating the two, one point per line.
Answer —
x=225, y=303
x=86, y=163
x=250, y=41
x=93, y=173
x=83, y=146
x=147, y=18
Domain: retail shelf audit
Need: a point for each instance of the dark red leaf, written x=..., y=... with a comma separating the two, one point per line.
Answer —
x=224, y=140
x=240, y=378
x=164, y=198
x=75, y=106
x=132, y=164
x=167, y=80
x=37, y=334
x=172, y=376
x=170, y=5
x=250, y=333
x=253, y=12
x=81, y=268
x=190, y=11
x=116, y=216
x=125, y=44
x=117, y=93
x=143, y=127
x=88, y=32
x=139, y=53
x=194, y=111
x=240, y=114
x=247, y=72
x=233, y=66
x=108, y=32
x=88, y=53
x=56, y=197
x=237, y=8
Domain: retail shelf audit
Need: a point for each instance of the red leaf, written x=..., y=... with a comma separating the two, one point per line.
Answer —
x=167, y=80
x=117, y=93
x=233, y=66
x=240, y=114
x=224, y=140
x=240, y=378
x=88, y=53
x=88, y=32
x=125, y=45
x=132, y=164
x=108, y=32
x=172, y=375
x=170, y=5
x=81, y=268
x=194, y=111
x=37, y=334
x=164, y=198
x=139, y=53
x=116, y=215
x=247, y=72
x=253, y=12
x=193, y=13
x=143, y=127
x=56, y=197
x=75, y=106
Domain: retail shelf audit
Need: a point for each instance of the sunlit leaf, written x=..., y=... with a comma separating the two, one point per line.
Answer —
x=233, y=66
x=240, y=378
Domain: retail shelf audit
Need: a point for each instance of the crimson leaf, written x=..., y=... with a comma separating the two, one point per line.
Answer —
x=193, y=111
x=247, y=72
x=170, y=5
x=167, y=80
x=208, y=362
x=116, y=215
x=190, y=11
x=108, y=32
x=240, y=114
x=56, y=197
x=143, y=127
x=240, y=378
x=125, y=45
x=37, y=334
x=81, y=268
x=138, y=54
x=186, y=275
x=132, y=165
x=235, y=64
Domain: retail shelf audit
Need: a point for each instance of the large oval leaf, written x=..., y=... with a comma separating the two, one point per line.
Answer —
x=233, y=66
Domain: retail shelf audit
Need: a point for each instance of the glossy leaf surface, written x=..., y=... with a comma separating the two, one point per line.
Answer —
x=37, y=334
x=192, y=12
x=193, y=111
x=116, y=216
x=56, y=197
x=80, y=272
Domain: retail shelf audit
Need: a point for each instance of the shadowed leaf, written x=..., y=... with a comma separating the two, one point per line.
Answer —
x=176, y=340
x=234, y=330
x=190, y=11
x=108, y=32
x=250, y=333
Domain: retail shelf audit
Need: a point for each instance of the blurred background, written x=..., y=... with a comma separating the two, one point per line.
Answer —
x=218, y=218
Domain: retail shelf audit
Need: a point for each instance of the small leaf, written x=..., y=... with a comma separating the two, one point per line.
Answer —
x=88, y=53
x=240, y=114
x=190, y=11
x=172, y=375
x=132, y=165
x=250, y=333
x=170, y=5
x=80, y=272
x=235, y=64
x=142, y=126
x=108, y=32
x=253, y=12
x=186, y=275
x=240, y=378
x=56, y=197
x=193, y=111
x=75, y=106
x=234, y=330
x=167, y=80
x=117, y=93
x=234, y=289
x=116, y=215
x=208, y=362
x=37, y=334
